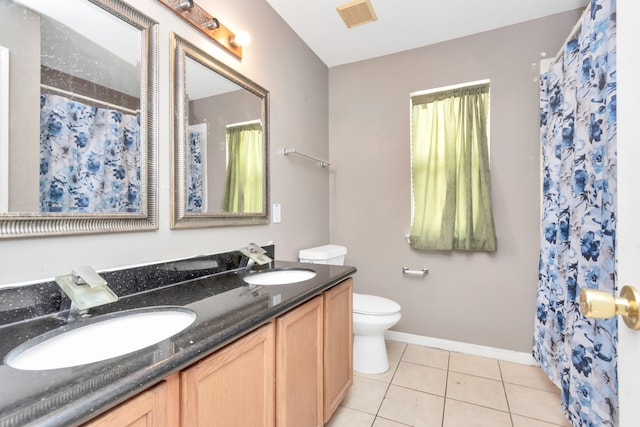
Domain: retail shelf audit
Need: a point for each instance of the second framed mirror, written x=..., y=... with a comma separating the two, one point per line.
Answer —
x=220, y=165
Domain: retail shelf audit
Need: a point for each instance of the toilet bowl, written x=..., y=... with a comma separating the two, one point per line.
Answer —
x=372, y=315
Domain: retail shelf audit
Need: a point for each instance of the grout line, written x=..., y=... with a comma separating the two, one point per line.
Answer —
x=506, y=396
x=446, y=387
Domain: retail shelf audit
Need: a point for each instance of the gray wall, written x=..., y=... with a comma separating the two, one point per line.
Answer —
x=479, y=298
x=297, y=80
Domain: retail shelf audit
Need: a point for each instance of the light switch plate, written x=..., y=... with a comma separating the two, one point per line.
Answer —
x=277, y=214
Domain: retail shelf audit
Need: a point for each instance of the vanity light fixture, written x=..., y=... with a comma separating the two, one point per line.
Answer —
x=206, y=23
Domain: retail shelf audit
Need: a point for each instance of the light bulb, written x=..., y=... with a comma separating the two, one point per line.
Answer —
x=241, y=39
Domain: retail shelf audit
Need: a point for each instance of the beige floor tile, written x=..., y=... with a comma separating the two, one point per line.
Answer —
x=533, y=403
x=476, y=390
x=474, y=365
x=383, y=422
x=461, y=414
x=346, y=417
x=520, y=421
x=395, y=349
x=421, y=378
x=366, y=395
x=530, y=376
x=412, y=407
x=426, y=356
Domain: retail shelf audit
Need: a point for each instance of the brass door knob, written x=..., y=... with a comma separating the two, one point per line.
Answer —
x=603, y=305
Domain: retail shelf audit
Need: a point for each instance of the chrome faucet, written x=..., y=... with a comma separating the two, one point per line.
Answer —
x=246, y=263
x=86, y=289
x=253, y=254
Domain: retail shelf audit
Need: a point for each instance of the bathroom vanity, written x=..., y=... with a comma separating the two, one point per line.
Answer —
x=258, y=355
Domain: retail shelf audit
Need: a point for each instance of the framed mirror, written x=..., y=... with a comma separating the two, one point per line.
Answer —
x=220, y=166
x=78, y=106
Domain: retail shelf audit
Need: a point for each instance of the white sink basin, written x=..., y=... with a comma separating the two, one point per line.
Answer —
x=116, y=335
x=279, y=277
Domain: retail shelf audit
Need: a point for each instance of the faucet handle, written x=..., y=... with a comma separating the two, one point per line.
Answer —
x=255, y=249
x=85, y=274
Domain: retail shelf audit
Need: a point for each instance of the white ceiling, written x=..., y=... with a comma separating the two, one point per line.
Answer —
x=405, y=24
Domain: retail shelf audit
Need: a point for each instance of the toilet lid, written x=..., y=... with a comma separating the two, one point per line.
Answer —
x=371, y=304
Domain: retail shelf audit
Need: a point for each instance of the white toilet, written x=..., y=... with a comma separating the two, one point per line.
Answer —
x=372, y=315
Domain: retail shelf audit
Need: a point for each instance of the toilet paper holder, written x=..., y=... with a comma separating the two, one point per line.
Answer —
x=422, y=272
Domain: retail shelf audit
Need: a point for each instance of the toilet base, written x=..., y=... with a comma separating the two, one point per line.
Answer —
x=370, y=354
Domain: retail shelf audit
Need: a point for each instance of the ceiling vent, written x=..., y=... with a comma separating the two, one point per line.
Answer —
x=356, y=12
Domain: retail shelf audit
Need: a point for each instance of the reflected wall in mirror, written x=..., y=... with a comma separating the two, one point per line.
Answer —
x=220, y=148
x=86, y=72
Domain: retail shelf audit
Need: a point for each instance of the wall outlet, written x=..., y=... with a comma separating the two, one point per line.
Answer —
x=277, y=214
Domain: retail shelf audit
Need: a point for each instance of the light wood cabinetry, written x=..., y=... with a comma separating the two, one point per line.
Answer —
x=314, y=358
x=338, y=345
x=291, y=372
x=232, y=387
x=299, y=366
x=154, y=407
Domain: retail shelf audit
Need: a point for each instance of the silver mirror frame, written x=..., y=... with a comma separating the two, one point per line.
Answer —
x=18, y=224
x=179, y=49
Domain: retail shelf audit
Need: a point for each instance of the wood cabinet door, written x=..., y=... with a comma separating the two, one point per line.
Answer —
x=232, y=387
x=299, y=366
x=151, y=408
x=338, y=345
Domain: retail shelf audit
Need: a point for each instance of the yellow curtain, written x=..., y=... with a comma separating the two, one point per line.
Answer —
x=450, y=171
x=244, y=184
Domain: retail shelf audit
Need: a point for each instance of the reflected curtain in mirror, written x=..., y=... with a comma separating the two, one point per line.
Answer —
x=89, y=158
x=450, y=170
x=243, y=186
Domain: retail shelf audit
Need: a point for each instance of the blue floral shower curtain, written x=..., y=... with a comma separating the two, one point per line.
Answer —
x=578, y=136
x=195, y=183
x=89, y=158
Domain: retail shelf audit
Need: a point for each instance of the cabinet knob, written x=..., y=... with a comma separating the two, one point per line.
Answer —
x=604, y=305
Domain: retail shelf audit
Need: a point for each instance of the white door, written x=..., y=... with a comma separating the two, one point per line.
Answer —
x=628, y=227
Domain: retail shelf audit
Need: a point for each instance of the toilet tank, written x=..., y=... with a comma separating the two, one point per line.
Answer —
x=327, y=254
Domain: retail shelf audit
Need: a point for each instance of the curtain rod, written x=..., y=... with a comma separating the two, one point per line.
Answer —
x=574, y=31
x=86, y=98
x=250, y=122
x=451, y=87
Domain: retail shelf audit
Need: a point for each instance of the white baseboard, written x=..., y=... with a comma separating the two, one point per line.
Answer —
x=460, y=347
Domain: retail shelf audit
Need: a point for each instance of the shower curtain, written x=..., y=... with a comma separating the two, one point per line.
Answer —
x=578, y=136
x=195, y=183
x=89, y=158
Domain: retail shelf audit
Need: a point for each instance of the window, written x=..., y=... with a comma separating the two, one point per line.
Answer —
x=450, y=180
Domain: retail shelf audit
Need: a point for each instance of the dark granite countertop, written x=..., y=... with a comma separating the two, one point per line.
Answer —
x=226, y=308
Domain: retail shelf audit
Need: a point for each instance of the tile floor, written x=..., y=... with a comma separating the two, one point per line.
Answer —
x=428, y=387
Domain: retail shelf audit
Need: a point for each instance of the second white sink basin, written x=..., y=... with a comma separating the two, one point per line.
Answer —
x=280, y=277
x=116, y=335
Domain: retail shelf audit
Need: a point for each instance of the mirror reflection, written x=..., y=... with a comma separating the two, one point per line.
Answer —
x=84, y=71
x=220, y=140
